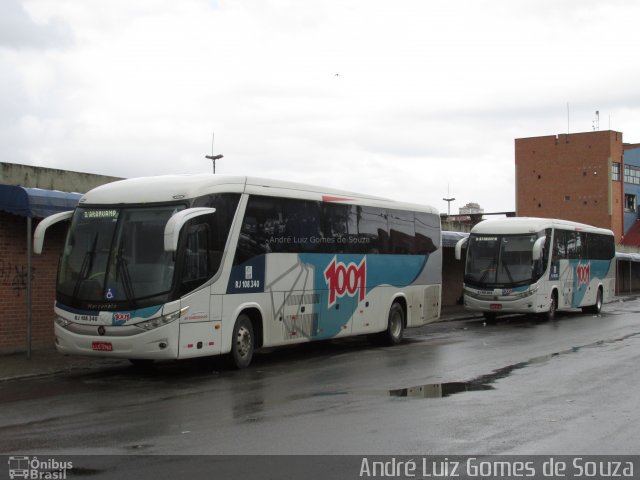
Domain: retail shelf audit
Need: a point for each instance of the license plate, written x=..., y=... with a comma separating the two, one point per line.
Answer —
x=495, y=306
x=102, y=346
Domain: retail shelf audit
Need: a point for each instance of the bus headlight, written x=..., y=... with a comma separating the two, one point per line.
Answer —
x=63, y=322
x=527, y=293
x=162, y=321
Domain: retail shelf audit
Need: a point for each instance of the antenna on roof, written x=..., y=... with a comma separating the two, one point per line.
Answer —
x=212, y=156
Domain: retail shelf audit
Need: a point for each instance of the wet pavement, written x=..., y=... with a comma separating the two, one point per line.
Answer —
x=49, y=361
x=516, y=386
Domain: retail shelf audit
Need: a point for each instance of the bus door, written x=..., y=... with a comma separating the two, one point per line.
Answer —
x=199, y=336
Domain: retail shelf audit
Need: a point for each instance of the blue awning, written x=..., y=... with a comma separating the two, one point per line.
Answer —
x=36, y=202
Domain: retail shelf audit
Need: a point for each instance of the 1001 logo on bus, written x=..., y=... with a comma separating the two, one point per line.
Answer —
x=583, y=272
x=345, y=279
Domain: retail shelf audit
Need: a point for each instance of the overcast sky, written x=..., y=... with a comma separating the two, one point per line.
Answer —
x=413, y=100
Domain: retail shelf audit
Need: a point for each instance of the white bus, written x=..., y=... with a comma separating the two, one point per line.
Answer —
x=537, y=265
x=174, y=267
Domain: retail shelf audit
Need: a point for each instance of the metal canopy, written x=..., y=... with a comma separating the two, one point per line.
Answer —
x=36, y=202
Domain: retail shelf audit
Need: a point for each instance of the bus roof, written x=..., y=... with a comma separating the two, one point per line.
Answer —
x=516, y=225
x=169, y=188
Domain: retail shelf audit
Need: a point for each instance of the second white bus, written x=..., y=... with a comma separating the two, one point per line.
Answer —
x=537, y=265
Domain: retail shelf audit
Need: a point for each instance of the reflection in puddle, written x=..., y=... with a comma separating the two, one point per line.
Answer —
x=483, y=382
x=438, y=390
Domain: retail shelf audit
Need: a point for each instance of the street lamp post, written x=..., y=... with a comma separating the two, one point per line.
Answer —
x=448, y=200
x=213, y=157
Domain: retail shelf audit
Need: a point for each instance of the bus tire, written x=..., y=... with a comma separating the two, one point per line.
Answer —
x=596, y=308
x=550, y=315
x=242, y=343
x=395, y=325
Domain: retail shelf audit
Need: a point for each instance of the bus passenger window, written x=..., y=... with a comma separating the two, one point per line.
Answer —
x=401, y=232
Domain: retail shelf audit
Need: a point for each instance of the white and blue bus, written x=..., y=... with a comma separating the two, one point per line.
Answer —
x=537, y=265
x=175, y=267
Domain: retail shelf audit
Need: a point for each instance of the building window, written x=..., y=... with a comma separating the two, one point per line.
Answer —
x=615, y=172
x=631, y=175
x=629, y=202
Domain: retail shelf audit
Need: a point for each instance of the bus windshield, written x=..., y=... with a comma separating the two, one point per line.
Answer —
x=499, y=261
x=116, y=256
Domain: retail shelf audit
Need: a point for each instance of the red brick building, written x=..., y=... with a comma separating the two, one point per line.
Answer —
x=574, y=176
x=16, y=214
x=13, y=284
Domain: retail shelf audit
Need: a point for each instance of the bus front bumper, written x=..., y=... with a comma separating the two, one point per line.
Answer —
x=501, y=305
x=120, y=342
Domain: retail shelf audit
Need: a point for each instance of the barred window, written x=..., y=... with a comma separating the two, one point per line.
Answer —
x=615, y=172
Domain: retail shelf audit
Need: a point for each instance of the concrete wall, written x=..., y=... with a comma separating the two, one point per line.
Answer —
x=452, y=278
x=50, y=178
x=627, y=277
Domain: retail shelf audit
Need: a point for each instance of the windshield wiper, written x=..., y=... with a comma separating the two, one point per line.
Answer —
x=85, y=268
x=506, y=269
x=491, y=268
x=122, y=269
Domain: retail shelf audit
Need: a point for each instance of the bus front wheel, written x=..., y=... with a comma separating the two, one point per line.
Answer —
x=242, y=343
x=550, y=314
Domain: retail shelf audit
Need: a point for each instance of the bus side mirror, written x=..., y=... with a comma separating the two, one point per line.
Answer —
x=459, y=246
x=537, y=248
x=176, y=222
x=41, y=229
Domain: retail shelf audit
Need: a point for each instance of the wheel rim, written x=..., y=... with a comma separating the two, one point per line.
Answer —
x=243, y=341
x=395, y=325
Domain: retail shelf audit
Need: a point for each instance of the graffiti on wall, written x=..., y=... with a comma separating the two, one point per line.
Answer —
x=14, y=276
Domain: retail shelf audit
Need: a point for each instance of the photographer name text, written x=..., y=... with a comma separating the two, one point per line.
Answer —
x=473, y=467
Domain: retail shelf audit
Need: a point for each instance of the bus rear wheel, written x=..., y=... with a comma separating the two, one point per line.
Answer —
x=596, y=308
x=395, y=326
x=242, y=343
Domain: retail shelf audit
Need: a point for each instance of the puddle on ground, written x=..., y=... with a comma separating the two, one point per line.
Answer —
x=438, y=390
x=483, y=382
